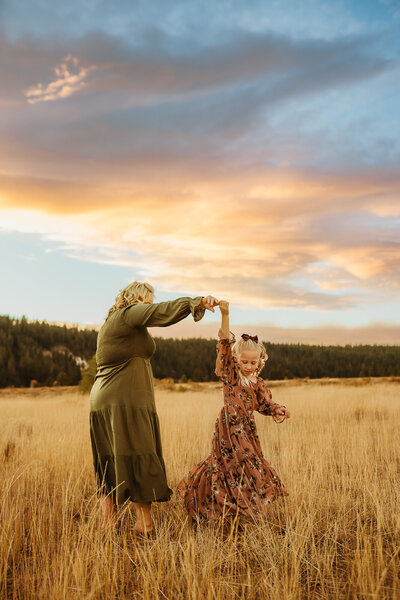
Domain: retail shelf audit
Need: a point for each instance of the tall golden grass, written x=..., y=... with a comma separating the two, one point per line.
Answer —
x=336, y=536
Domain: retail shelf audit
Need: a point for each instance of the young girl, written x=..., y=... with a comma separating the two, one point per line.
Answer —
x=235, y=478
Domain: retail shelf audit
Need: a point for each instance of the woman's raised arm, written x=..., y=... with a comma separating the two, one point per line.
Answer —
x=163, y=314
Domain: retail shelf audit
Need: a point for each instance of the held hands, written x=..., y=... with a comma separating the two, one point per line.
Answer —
x=209, y=302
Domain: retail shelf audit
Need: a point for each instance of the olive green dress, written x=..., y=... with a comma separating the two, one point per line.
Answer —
x=124, y=426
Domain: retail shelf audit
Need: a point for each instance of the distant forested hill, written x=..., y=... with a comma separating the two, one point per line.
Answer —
x=42, y=353
x=195, y=359
x=55, y=355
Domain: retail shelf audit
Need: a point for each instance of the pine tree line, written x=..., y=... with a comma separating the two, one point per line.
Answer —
x=53, y=354
x=43, y=354
x=195, y=359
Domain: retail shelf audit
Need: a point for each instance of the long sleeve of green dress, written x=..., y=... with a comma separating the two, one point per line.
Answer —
x=163, y=314
x=124, y=426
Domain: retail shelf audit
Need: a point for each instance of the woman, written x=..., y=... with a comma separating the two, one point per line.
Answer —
x=124, y=427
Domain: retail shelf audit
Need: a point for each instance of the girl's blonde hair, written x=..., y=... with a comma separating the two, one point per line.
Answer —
x=242, y=345
x=137, y=292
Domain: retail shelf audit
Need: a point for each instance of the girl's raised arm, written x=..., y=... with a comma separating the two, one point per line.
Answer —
x=225, y=367
x=224, y=308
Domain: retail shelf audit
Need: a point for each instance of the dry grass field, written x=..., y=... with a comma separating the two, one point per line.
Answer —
x=336, y=536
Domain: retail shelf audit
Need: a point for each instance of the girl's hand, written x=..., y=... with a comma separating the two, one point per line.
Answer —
x=209, y=302
x=282, y=413
x=224, y=307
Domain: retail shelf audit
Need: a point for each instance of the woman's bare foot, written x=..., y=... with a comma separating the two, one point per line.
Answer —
x=110, y=514
x=144, y=523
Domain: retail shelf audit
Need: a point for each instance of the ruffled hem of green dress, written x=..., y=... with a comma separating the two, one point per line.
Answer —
x=140, y=478
x=127, y=454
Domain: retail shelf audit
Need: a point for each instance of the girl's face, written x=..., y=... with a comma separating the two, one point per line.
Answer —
x=248, y=362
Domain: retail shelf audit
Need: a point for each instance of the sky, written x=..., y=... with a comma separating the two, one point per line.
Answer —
x=249, y=150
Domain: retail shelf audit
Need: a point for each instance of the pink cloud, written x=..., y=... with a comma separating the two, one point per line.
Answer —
x=66, y=84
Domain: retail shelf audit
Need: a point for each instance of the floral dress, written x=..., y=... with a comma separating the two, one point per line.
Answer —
x=235, y=477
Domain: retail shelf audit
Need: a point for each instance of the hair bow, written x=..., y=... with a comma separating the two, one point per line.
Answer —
x=246, y=337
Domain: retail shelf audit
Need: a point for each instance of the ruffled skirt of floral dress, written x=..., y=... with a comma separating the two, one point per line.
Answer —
x=235, y=478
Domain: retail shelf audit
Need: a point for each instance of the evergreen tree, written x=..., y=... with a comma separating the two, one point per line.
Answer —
x=45, y=353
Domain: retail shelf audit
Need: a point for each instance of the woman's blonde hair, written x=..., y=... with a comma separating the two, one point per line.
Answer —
x=242, y=345
x=137, y=292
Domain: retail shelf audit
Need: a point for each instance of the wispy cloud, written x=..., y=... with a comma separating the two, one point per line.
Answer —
x=70, y=79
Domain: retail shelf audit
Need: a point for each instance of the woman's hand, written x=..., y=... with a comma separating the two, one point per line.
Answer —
x=209, y=302
x=224, y=307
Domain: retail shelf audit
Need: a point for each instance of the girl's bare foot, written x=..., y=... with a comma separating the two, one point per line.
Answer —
x=182, y=488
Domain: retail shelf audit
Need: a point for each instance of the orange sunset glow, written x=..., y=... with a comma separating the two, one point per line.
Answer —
x=260, y=163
